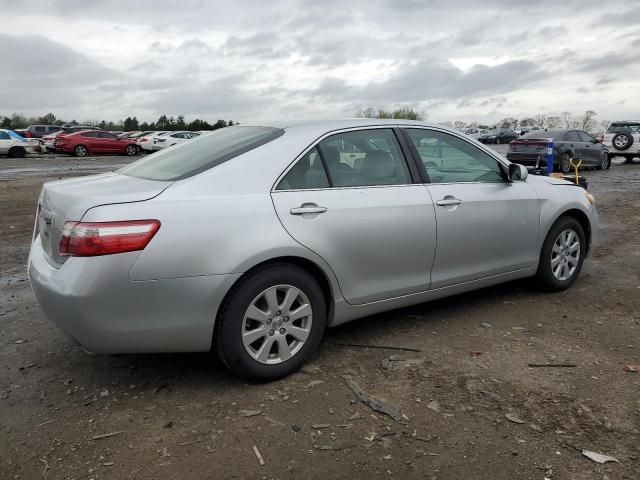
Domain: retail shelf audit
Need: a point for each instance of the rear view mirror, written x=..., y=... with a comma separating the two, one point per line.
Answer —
x=517, y=173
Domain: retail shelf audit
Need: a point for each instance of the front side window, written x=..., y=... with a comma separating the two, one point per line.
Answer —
x=90, y=134
x=572, y=136
x=4, y=136
x=203, y=153
x=627, y=127
x=307, y=173
x=449, y=159
x=585, y=137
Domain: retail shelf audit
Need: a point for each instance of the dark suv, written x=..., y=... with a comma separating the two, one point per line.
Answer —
x=39, y=131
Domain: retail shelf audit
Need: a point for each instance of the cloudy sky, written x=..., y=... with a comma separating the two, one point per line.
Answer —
x=251, y=59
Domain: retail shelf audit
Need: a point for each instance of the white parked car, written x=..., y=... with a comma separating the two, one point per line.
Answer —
x=475, y=133
x=49, y=141
x=622, y=138
x=145, y=142
x=15, y=146
x=172, y=139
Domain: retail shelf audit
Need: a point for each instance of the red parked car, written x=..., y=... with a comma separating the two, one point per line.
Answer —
x=88, y=142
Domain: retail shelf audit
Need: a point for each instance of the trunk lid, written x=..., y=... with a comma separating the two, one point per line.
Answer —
x=68, y=200
x=534, y=146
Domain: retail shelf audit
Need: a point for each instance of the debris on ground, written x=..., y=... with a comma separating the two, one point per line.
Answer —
x=383, y=347
x=398, y=362
x=553, y=365
x=485, y=325
x=258, y=456
x=632, y=368
x=310, y=369
x=314, y=383
x=250, y=413
x=599, y=457
x=375, y=403
x=513, y=418
x=317, y=426
x=107, y=435
x=434, y=405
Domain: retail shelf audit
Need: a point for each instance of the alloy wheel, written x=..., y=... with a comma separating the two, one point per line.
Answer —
x=604, y=161
x=621, y=142
x=277, y=324
x=81, y=150
x=565, y=255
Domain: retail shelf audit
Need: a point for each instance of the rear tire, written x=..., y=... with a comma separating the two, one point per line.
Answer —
x=561, y=257
x=16, y=152
x=290, y=341
x=80, y=151
x=565, y=163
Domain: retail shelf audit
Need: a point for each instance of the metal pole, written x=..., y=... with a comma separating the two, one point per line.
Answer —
x=549, y=156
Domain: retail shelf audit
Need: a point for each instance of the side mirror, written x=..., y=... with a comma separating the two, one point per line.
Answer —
x=595, y=140
x=517, y=172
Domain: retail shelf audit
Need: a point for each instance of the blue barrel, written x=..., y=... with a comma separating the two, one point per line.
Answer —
x=549, y=156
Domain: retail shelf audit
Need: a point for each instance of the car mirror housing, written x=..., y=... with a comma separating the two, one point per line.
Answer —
x=517, y=173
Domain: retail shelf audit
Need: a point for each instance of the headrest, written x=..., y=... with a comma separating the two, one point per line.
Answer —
x=378, y=164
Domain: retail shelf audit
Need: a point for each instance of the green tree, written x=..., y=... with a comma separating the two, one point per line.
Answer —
x=219, y=124
x=180, y=123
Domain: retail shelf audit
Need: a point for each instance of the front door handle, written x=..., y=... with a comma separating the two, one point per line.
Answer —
x=306, y=209
x=448, y=200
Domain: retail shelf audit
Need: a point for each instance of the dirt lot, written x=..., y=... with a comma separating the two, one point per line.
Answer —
x=472, y=407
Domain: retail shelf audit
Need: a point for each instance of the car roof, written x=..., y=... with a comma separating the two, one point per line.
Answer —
x=547, y=133
x=321, y=126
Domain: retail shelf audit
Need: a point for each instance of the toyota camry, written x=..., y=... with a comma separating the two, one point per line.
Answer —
x=252, y=240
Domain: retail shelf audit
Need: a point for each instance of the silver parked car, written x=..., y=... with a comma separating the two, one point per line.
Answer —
x=251, y=240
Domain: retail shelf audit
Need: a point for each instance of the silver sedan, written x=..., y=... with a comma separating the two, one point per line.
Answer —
x=253, y=239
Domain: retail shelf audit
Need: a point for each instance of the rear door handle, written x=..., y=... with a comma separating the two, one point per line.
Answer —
x=307, y=209
x=448, y=201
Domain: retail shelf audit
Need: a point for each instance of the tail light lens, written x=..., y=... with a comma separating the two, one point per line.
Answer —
x=90, y=239
x=143, y=140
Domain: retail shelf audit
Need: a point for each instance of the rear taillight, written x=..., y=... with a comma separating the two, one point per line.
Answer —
x=143, y=140
x=90, y=239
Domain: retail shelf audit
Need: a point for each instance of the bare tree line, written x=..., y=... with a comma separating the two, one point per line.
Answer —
x=564, y=120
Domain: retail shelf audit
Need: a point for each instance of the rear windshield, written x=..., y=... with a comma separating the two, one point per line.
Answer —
x=556, y=134
x=624, y=128
x=200, y=154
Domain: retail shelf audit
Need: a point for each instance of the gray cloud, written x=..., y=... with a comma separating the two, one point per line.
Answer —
x=250, y=58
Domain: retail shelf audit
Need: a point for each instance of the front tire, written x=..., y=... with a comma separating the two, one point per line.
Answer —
x=271, y=323
x=498, y=141
x=605, y=162
x=131, y=151
x=562, y=255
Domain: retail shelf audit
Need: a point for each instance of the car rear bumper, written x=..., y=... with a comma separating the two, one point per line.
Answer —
x=529, y=159
x=93, y=301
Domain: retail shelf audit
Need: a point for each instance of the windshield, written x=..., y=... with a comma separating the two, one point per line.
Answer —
x=200, y=154
x=624, y=128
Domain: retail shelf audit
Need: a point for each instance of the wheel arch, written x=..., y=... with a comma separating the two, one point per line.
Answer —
x=582, y=219
x=307, y=265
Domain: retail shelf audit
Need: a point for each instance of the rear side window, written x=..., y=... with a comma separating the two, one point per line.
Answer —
x=203, y=153
x=40, y=129
x=624, y=128
x=4, y=136
x=307, y=173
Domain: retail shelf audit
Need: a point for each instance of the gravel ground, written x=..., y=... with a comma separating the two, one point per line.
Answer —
x=472, y=407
